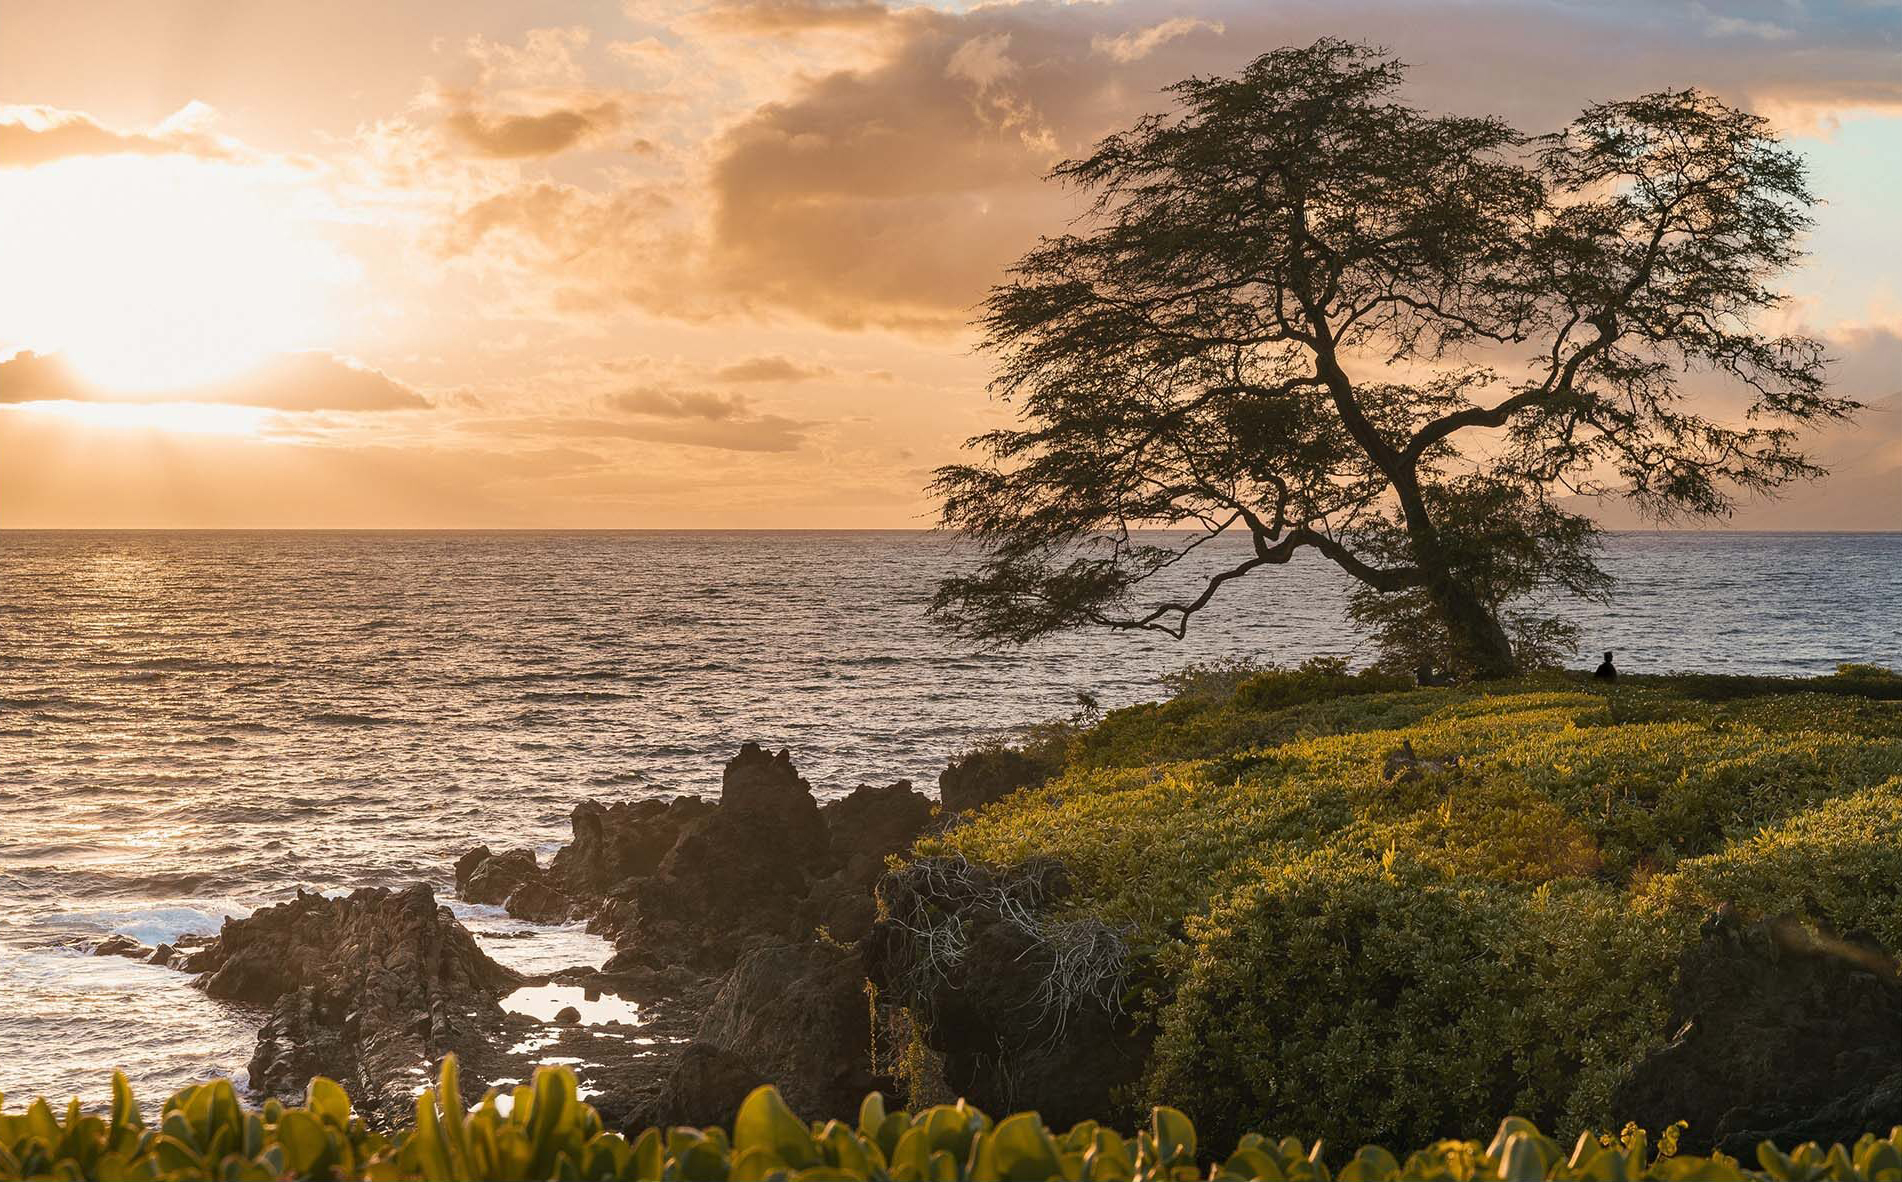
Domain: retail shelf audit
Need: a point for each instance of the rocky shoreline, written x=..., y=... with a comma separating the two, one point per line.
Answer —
x=766, y=937
x=736, y=924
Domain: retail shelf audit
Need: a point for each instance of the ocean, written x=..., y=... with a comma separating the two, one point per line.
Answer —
x=196, y=724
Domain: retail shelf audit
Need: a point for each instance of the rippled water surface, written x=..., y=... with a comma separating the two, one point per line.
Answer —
x=195, y=724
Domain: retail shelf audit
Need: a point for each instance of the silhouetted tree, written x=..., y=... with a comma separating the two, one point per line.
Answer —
x=1294, y=299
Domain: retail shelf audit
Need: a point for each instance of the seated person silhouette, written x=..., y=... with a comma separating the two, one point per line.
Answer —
x=1605, y=672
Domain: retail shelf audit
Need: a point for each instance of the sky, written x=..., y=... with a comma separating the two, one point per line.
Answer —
x=708, y=263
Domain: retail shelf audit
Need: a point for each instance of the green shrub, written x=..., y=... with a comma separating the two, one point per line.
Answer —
x=546, y=1132
x=1338, y=952
x=1838, y=865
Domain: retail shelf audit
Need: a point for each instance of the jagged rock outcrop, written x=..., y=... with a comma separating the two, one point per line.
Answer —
x=1012, y=1031
x=736, y=877
x=1779, y=1033
x=491, y=878
x=371, y=989
x=615, y=844
x=516, y=881
x=866, y=827
x=689, y=889
x=986, y=776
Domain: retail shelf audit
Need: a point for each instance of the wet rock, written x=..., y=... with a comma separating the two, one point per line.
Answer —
x=705, y=1087
x=567, y=1016
x=466, y=866
x=117, y=945
x=616, y=844
x=537, y=902
x=369, y=989
x=1779, y=1033
x=189, y=953
x=986, y=776
x=1007, y=1041
x=495, y=878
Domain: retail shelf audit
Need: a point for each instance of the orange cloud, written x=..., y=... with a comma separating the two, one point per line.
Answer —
x=768, y=369
x=38, y=134
x=308, y=381
x=673, y=404
x=509, y=137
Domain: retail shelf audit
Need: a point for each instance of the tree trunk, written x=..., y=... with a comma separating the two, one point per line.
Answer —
x=1477, y=635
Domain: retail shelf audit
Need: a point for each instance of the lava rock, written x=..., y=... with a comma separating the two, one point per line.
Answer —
x=735, y=880
x=616, y=844
x=495, y=878
x=796, y=1015
x=537, y=902
x=706, y=1086
x=365, y=989
x=117, y=945
x=867, y=827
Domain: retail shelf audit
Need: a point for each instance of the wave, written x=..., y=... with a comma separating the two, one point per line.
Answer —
x=344, y=718
x=49, y=702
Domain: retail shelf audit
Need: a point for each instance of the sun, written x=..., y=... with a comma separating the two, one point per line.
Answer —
x=157, y=274
x=179, y=418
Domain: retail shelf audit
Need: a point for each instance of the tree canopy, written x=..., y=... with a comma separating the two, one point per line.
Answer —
x=1300, y=311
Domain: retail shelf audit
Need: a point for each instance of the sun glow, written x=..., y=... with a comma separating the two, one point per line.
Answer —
x=188, y=418
x=155, y=274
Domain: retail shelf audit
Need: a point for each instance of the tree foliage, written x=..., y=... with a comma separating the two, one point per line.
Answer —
x=1297, y=305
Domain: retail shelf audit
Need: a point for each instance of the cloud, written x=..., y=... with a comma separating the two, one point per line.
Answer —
x=1134, y=46
x=305, y=381
x=762, y=433
x=889, y=185
x=510, y=137
x=769, y=369
x=38, y=134
x=792, y=16
x=675, y=404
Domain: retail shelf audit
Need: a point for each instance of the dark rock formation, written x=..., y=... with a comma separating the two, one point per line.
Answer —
x=494, y=878
x=705, y=1087
x=866, y=828
x=537, y=902
x=189, y=953
x=1780, y=1033
x=688, y=889
x=986, y=776
x=515, y=881
x=618, y=843
x=1009, y=1036
x=736, y=877
x=371, y=990
x=1402, y=766
x=117, y=945
x=797, y=1014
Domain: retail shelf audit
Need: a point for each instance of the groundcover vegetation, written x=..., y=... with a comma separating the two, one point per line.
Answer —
x=1340, y=943
x=544, y=1131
